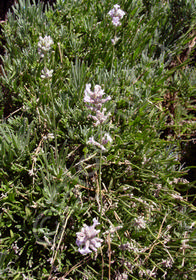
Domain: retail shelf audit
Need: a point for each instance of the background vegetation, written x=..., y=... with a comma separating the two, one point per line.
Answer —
x=53, y=182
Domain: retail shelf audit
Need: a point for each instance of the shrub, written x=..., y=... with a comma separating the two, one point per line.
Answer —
x=70, y=159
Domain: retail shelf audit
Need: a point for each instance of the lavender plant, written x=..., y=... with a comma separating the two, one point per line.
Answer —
x=72, y=154
x=96, y=101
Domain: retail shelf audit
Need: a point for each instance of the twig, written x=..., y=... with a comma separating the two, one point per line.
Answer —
x=77, y=265
x=16, y=111
x=157, y=238
x=61, y=238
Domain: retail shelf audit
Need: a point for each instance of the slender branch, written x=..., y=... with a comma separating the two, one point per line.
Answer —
x=60, y=240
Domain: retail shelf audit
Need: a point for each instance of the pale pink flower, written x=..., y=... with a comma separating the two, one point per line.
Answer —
x=46, y=73
x=100, y=117
x=106, y=139
x=116, y=14
x=140, y=222
x=115, y=40
x=95, y=143
x=95, y=98
x=44, y=45
x=87, y=237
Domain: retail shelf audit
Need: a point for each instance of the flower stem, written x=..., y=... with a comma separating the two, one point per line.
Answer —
x=100, y=165
x=54, y=119
x=113, y=52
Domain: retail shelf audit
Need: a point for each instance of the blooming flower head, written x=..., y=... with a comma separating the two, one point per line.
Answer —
x=116, y=14
x=115, y=40
x=140, y=222
x=106, y=139
x=100, y=117
x=46, y=73
x=87, y=237
x=95, y=98
x=95, y=143
x=94, y=101
x=44, y=45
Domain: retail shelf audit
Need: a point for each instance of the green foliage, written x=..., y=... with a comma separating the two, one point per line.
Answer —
x=53, y=181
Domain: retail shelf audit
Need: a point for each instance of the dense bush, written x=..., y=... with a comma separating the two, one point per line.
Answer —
x=70, y=155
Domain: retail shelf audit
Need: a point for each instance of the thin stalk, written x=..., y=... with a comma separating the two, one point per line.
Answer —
x=113, y=51
x=54, y=120
x=60, y=240
x=100, y=165
x=100, y=192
